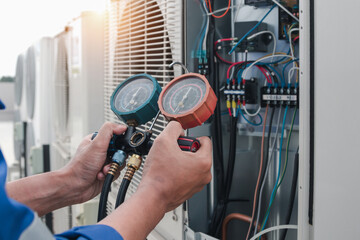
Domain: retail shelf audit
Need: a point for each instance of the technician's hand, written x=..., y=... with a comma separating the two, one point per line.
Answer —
x=86, y=171
x=173, y=174
x=170, y=177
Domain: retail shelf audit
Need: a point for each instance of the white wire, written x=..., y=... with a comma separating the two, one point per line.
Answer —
x=290, y=73
x=264, y=32
x=206, y=34
x=271, y=153
x=275, y=228
x=291, y=47
x=274, y=40
x=287, y=11
x=207, y=26
x=251, y=114
x=263, y=58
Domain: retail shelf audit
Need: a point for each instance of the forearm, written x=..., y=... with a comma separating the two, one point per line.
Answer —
x=43, y=192
x=138, y=216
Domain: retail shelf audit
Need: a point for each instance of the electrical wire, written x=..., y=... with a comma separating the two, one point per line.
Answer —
x=208, y=3
x=259, y=174
x=275, y=228
x=265, y=32
x=291, y=46
x=259, y=60
x=292, y=193
x=251, y=30
x=287, y=149
x=270, y=155
x=231, y=217
x=273, y=194
x=290, y=73
x=247, y=120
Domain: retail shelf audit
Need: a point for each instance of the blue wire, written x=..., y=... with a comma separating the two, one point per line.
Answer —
x=274, y=70
x=251, y=123
x=203, y=33
x=278, y=176
x=202, y=27
x=247, y=34
x=287, y=64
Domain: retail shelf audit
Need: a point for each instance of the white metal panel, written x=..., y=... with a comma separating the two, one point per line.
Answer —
x=86, y=69
x=336, y=196
x=143, y=36
x=39, y=61
x=304, y=123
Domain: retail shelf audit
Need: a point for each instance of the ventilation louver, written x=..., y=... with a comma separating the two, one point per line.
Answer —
x=142, y=36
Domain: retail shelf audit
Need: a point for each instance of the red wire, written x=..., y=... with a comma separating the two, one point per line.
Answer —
x=229, y=112
x=296, y=38
x=208, y=4
x=217, y=54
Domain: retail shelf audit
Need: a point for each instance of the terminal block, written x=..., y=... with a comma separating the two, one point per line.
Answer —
x=245, y=92
x=277, y=97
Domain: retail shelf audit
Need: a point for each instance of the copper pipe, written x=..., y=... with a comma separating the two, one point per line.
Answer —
x=237, y=216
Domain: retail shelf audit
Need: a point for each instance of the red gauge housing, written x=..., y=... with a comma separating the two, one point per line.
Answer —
x=198, y=114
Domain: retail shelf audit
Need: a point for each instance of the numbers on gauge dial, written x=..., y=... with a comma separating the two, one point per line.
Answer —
x=133, y=94
x=184, y=95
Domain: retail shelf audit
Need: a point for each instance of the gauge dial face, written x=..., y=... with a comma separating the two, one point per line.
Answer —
x=133, y=94
x=184, y=95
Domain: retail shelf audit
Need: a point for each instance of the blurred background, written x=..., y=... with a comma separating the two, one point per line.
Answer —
x=22, y=23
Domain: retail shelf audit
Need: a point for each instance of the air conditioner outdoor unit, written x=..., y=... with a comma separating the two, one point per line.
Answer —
x=144, y=36
x=39, y=73
x=20, y=112
x=78, y=97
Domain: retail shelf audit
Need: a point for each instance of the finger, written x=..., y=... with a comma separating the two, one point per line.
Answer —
x=106, y=132
x=205, y=146
x=106, y=169
x=100, y=176
x=173, y=130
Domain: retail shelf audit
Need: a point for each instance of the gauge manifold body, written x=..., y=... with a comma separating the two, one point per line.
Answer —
x=188, y=99
x=135, y=99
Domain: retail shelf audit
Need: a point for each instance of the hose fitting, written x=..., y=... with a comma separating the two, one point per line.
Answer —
x=118, y=161
x=133, y=165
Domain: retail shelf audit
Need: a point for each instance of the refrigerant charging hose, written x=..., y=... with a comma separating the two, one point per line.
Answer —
x=118, y=162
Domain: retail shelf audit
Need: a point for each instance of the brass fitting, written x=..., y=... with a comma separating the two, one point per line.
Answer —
x=129, y=173
x=114, y=169
x=133, y=165
x=132, y=123
x=135, y=162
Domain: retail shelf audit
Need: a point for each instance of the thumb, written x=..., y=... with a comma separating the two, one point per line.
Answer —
x=106, y=132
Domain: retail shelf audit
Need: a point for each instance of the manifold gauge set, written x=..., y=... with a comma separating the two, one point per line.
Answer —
x=187, y=99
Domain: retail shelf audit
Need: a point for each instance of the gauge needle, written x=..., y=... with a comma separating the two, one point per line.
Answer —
x=133, y=97
x=181, y=103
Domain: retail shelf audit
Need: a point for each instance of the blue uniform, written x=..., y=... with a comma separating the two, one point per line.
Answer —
x=17, y=221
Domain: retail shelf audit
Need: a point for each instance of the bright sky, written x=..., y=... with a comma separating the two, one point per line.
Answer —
x=22, y=22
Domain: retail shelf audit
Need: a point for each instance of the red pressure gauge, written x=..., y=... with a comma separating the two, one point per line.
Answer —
x=188, y=99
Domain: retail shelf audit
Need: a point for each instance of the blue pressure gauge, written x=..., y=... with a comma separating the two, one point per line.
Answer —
x=135, y=100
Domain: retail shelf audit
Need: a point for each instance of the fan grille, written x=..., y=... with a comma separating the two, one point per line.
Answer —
x=61, y=85
x=141, y=36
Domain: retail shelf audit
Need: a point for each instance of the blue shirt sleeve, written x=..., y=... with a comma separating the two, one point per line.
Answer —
x=90, y=232
x=16, y=219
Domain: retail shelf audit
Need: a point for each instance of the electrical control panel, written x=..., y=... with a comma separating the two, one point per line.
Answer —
x=252, y=62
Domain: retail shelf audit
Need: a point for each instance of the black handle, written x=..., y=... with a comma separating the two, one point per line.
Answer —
x=189, y=144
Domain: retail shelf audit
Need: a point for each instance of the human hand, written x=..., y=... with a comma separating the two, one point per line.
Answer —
x=86, y=171
x=175, y=175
